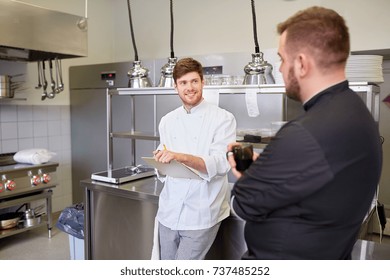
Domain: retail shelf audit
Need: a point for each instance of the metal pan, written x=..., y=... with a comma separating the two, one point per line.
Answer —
x=11, y=219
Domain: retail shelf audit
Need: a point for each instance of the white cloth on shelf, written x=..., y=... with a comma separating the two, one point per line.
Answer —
x=251, y=102
x=33, y=156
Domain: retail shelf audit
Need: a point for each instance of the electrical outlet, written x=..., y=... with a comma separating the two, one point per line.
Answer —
x=212, y=70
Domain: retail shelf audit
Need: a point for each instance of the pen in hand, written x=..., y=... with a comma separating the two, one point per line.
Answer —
x=164, y=155
x=155, y=153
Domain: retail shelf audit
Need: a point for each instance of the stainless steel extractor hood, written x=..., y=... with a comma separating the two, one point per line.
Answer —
x=32, y=33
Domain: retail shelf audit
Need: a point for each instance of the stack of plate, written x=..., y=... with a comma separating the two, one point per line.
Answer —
x=364, y=68
x=360, y=68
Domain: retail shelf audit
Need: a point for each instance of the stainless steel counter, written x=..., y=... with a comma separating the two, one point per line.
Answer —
x=119, y=219
x=369, y=250
x=119, y=224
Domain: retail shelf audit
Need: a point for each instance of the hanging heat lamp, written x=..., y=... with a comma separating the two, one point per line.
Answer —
x=257, y=71
x=166, y=79
x=138, y=75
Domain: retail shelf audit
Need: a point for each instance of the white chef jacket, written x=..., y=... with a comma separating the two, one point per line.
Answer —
x=191, y=204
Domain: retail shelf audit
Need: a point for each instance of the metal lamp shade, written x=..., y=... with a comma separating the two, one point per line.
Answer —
x=166, y=79
x=258, y=71
x=138, y=76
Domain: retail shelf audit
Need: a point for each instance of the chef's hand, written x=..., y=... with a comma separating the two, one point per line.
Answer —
x=164, y=156
x=195, y=162
x=232, y=162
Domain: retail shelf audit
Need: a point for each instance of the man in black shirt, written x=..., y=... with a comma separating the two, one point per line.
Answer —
x=307, y=194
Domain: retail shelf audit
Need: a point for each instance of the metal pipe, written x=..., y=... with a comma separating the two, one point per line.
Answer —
x=109, y=133
x=86, y=9
x=133, y=129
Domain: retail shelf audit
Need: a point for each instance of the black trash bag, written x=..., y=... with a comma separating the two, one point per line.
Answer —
x=71, y=220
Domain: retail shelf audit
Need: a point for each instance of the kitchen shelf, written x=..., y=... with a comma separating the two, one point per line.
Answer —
x=20, y=228
x=369, y=92
x=159, y=91
x=9, y=99
x=136, y=135
x=46, y=194
x=228, y=89
x=231, y=89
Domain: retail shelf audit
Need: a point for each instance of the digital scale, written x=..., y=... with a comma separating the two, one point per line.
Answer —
x=123, y=175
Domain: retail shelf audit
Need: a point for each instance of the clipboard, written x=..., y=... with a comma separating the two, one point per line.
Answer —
x=174, y=169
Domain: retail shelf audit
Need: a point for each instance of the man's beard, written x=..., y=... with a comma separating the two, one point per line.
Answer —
x=292, y=86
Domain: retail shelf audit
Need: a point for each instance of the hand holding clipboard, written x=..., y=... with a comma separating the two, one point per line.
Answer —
x=174, y=169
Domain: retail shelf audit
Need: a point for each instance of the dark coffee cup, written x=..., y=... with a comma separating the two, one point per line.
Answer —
x=243, y=155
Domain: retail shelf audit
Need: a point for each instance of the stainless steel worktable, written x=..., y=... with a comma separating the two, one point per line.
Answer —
x=119, y=219
x=119, y=224
x=369, y=250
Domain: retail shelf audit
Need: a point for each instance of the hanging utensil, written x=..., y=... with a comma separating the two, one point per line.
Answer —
x=44, y=94
x=60, y=85
x=39, y=75
x=52, y=82
x=57, y=90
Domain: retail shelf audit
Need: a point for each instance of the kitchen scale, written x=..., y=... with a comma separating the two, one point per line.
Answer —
x=125, y=174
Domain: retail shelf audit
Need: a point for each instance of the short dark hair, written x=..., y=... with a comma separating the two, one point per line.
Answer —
x=321, y=31
x=187, y=65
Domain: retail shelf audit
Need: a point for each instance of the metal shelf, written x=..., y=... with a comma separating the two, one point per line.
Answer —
x=232, y=89
x=157, y=91
x=368, y=91
x=136, y=135
x=228, y=89
x=45, y=194
x=20, y=228
x=9, y=99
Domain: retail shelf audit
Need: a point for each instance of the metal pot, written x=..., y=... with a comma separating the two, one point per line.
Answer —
x=5, y=87
x=31, y=217
x=29, y=222
x=28, y=214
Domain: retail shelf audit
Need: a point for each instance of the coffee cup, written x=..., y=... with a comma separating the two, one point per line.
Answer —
x=243, y=155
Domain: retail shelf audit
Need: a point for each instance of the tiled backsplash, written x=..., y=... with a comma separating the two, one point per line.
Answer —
x=29, y=126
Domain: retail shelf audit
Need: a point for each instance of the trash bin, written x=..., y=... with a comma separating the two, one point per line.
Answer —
x=71, y=221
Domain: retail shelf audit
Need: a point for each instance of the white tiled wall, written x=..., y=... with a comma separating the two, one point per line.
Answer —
x=39, y=126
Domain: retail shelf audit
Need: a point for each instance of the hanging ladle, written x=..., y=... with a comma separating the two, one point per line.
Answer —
x=39, y=76
x=44, y=94
x=52, y=82
x=60, y=85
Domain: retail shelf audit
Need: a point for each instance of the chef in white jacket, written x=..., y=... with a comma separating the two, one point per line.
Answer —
x=195, y=134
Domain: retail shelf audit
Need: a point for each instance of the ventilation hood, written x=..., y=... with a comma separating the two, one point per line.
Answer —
x=32, y=33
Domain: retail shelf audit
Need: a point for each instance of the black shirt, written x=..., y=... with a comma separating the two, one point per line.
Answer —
x=307, y=194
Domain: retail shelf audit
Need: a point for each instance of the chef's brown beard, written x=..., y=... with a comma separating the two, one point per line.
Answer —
x=293, y=88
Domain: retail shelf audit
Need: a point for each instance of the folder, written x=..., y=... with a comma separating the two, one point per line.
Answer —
x=174, y=169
